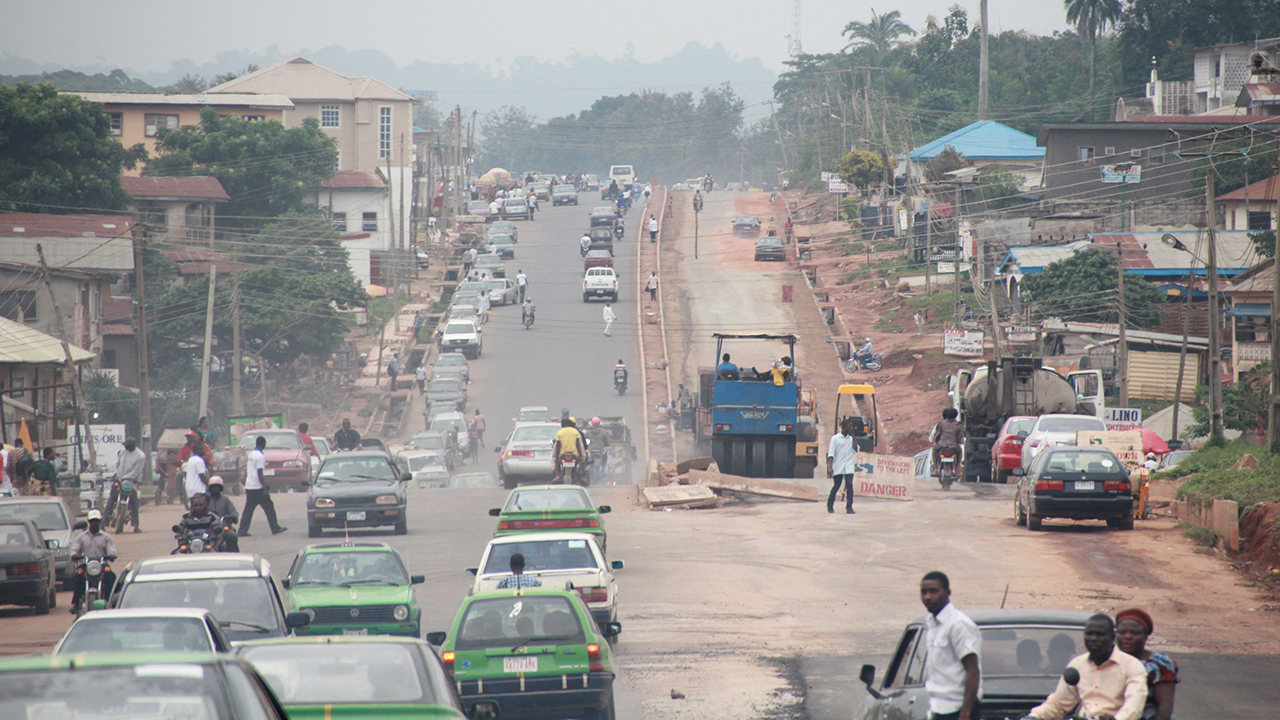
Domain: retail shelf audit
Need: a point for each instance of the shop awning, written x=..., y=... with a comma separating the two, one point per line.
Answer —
x=1250, y=310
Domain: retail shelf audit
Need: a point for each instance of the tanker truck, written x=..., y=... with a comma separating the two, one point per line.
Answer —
x=987, y=396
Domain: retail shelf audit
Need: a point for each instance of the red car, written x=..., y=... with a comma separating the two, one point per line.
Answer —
x=1006, y=452
x=597, y=258
x=288, y=460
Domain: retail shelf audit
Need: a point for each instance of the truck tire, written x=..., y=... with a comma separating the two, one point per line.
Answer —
x=586, y=297
x=738, y=456
x=759, y=458
x=783, y=462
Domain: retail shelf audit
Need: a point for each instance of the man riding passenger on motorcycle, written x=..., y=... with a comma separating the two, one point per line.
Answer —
x=92, y=544
x=200, y=519
x=620, y=370
x=568, y=442
x=948, y=434
x=221, y=506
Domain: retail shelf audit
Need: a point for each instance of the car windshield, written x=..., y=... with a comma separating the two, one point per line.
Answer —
x=1071, y=424
x=472, y=480
x=322, y=444
x=599, y=271
x=1021, y=425
x=500, y=240
x=426, y=442
x=137, y=634
x=445, y=385
x=171, y=690
x=599, y=254
x=515, y=203
x=487, y=260
x=343, y=674
x=457, y=328
x=426, y=462
x=275, y=441
x=231, y=600
x=1082, y=462
x=492, y=285
x=548, y=499
x=339, y=467
x=746, y=220
x=442, y=424
x=541, y=555
x=535, y=433
x=1029, y=651
x=770, y=241
x=1170, y=461
x=501, y=226
x=507, y=621
x=350, y=568
x=450, y=359
x=16, y=535
x=48, y=516
x=472, y=286
x=534, y=415
x=475, y=205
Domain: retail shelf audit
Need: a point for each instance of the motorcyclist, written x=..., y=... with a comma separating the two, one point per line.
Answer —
x=200, y=519
x=865, y=353
x=598, y=440
x=613, y=188
x=92, y=544
x=568, y=442
x=221, y=506
x=348, y=438
x=128, y=468
x=527, y=310
x=585, y=243
x=1110, y=683
x=948, y=434
x=620, y=369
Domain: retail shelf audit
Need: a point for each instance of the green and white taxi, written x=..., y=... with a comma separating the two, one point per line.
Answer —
x=353, y=588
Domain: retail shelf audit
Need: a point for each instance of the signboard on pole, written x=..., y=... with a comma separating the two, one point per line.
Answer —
x=949, y=268
x=1122, y=418
x=962, y=343
x=1021, y=334
x=884, y=476
x=836, y=185
x=1127, y=445
x=108, y=441
x=1121, y=174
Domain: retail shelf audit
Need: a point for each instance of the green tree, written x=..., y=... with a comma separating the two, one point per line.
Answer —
x=881, y=33
x=998, y=188
x=264, y=166
x=949, y=160
x=115, y=81
x=190, y=84
x=57, y=154
x=504, y=139
x=1244, y=404
x=227, y=77
x=861, y=168
x=1083, y=288
x=1092, y=18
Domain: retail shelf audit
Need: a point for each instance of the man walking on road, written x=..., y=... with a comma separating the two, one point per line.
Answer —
x=421, y=375
x=953, y=667
x=393, y=369
x=839, y=464
x=653, y=228
x=522, y=282
x=255, y=491
x=477, y=427
x=609, y=317
x=652, y=285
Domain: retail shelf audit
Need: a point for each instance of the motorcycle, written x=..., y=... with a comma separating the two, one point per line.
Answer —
x=572, y=471
x=527, y=319
x=856, y=363
x=773, y=198
x=93, y=570
x=198, y=540
x=947, y=459
x=619, y=232
x=620, y=381
x=126, y=495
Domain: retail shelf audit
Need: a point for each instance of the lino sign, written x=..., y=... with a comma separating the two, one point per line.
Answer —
x=1118, y=419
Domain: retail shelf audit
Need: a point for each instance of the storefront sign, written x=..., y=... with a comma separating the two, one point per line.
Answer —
x=962, y=343
x=1122, y=418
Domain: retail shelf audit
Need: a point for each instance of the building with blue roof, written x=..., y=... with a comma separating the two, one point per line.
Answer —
x=983, y=143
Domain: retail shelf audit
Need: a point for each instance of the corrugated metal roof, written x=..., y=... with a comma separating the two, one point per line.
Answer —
x=28, y=346
x=302, y=79
x=1257, y=281
x=354, y=179
x=238, y=99
x=1145, y=254
x=38, y=225
x=983, y=140
x=1261, y=192
x=195, y=188
x=1032, y=260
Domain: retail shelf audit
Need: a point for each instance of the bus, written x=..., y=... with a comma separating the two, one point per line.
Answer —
x=624, y=174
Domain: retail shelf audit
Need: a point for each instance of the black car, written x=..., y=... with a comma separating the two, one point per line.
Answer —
x=26, y=567
x=770, y=248
x=564, y=195
x=1078, y=483
x=745, y=225
x=1023, y=654
x=357, y=489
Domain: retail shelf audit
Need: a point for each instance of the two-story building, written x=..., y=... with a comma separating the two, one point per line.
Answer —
x=1252, y=207
x=32, y=371
x=359, y=206
x=137, y=117
x=176, y=210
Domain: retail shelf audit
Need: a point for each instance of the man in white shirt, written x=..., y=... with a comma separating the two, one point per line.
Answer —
x=609, y=317
x=653, y=229
x=840, y=466
x=483, y=305
x=6, y=482
x=421, y=375
x=585, y=243
x=128, y=467
x=197, y=475
x=953, y=665
x=522, y=282
x=255, y=490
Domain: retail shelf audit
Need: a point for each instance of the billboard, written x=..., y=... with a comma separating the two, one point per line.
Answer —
x=1122, y=418
x=962, y=343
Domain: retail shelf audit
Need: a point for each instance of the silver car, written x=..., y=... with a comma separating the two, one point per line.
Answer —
x=457, y=422
x=502, y=291
x=447, y=391
x=426, y=466
x=146, y=629
x=53, y=518
x=492, y=263
x=454, y=359
x=525, y=456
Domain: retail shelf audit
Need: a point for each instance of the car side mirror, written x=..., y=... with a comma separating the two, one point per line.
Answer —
x=437, y=638
x=417, y=579
x=484, y=710
x=617, y=565
x=80, y=525
x=1022, y=433
x=406, y=477
x=1018, y=472
x=297, y=619
x=605, y=509
x=52, y=544
x=472, y=571
x=612, y=629
x=285, y=583
x=177, y=528
x=868, y=676
x=495, y=512
x=497, y=449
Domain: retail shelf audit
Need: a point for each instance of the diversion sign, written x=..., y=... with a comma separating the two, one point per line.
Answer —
x=883, y=476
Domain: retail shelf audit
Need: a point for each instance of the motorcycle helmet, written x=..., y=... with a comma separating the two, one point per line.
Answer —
x=94, y=515
x=868, y=339
x=595, y=422
x=215, y=480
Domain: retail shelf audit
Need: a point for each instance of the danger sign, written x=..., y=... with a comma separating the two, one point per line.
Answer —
x=883, y=476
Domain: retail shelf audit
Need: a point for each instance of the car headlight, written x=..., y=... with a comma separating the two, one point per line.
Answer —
x=387, y=500
x=401, y=612
x=324, y=503
x=311, y=613
x=293, y=463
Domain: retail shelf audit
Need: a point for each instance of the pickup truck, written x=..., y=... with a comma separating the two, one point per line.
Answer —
x=600, y=282
x=462, y=336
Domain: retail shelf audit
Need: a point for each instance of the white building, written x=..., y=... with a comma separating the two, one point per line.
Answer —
x=359, y=204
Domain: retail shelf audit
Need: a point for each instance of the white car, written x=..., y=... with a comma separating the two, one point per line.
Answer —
x=560, y=560
x=1054, y=430
x=462, y=336
x=426, y=466
x=533, y=413
x=145, y=630
x=600, y=282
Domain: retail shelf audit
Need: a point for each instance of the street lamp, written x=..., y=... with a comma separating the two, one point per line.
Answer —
x=1215, y=332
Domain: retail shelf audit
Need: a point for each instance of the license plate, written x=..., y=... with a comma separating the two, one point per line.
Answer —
x=1084, y=484
x=270, y=471
x=527, y=663
x=542, y=453
x=355, y=631
x=355, y=515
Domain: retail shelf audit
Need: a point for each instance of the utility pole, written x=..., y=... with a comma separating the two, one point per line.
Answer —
x=392, y=255
x=928, y=247
x=72, y=371
x=1122, y=356
x=1182, y=354
x=984, y=66
x=781, y=145
x=237, y=405
x=1273, y=408
x=955, y=215
x=208, y=342
x=1215, y=334
x=697, y=209
x=144, y=375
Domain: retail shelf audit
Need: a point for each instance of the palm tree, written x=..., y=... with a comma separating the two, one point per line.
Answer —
x=881, y=33
x=1091, y=18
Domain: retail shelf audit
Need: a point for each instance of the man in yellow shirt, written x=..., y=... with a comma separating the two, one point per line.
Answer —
x=568, y=442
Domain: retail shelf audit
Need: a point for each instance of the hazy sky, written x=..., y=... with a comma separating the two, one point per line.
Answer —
x=147, y=36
